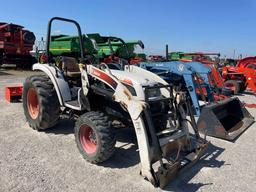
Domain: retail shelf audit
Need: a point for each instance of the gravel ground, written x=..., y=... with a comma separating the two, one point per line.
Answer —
x=49, y=161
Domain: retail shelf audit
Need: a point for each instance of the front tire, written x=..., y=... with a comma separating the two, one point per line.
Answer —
x=40, y=102
x=227, y=92
x=233, y=85
x=94, y=137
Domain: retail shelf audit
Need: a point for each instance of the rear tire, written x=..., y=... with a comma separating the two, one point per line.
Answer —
x=243, y=87
x=94, y=137
x=1, y=57
x=227, y=92
x=29, y=37
x=40, y=102
x=233, y=85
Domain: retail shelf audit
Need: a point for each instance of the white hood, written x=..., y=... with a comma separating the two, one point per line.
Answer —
x=135, y=78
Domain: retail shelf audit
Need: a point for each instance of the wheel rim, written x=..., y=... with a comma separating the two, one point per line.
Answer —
x=32, y=103
x=88, y=139
x=231, y=86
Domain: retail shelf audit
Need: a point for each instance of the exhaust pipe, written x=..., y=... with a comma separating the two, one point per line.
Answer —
x=166, y=52
x=225, y=119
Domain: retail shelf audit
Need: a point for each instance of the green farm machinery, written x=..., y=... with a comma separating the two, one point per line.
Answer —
x=96, y=45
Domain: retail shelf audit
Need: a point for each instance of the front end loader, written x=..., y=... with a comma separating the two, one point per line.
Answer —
x=226, y=118
x=95, y=95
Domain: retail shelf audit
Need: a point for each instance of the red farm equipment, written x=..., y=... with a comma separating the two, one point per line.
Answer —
x=156, y=58
x=15, y=45
x=241, y=76
x=13, y=93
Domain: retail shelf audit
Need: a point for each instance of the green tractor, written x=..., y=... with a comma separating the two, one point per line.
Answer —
x=176, y=56
x=186, y=57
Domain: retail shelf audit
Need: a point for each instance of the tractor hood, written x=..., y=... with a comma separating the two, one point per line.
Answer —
x=136, y=83
x=133, y=78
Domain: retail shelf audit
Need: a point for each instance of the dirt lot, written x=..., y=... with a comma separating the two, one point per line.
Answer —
x=49, y=161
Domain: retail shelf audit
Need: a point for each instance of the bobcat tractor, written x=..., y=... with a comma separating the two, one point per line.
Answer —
x=95, y=96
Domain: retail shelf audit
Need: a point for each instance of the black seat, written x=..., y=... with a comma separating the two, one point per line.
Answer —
x=70, y=66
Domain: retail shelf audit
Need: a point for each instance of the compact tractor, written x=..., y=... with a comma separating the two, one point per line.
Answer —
x=95, y=96
x=241, y=76
x=15, y=45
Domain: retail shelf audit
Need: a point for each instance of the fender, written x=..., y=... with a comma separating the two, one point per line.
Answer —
x=60, y=85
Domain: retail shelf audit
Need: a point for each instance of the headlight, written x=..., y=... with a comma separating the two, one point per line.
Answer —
x=153, y=93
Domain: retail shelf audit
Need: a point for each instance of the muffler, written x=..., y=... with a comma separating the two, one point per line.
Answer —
x=225, y=119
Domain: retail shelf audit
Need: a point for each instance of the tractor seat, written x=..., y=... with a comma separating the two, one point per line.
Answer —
x=70, y=67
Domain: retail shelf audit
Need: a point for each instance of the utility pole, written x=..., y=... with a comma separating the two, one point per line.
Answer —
x=234, y=53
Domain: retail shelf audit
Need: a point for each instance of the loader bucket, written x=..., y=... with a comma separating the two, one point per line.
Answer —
x=226, y=119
